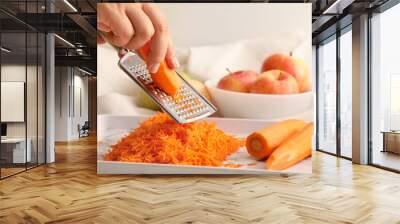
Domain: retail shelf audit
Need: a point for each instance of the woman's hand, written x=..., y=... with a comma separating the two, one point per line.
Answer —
x=132, y=25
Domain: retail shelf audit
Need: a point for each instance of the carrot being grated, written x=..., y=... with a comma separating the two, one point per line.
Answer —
x=159, y=139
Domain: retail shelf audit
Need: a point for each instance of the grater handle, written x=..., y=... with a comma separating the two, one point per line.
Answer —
x=121, y=51
x=142, y=52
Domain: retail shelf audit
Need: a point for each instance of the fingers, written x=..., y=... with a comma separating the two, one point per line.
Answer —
x=131, y=26
x=143, y=28
x=102, y=27
x=114, y=16
x=100, y=39
x=170, y=58
x=158, y=50
x=160, y=41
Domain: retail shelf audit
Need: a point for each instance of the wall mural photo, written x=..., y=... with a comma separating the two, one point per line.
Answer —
x=204, y=97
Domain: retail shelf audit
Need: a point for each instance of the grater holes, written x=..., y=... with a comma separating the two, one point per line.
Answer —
x=185, y=105
x=141, y=72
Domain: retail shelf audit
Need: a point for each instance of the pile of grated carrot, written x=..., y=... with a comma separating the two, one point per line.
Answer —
x=159, y=139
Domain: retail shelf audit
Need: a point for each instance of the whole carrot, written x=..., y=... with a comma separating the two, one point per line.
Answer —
x=262, y=143
x=294, y=150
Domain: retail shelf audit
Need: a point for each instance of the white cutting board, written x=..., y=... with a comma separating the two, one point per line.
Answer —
x=112, y=128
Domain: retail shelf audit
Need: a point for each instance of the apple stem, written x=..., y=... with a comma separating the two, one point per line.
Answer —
x=291, y=53
x=229, y=70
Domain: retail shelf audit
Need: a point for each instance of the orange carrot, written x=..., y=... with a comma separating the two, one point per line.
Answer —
x=161, y=140
x=165, y=78
x=261, y=143
x=294, y=150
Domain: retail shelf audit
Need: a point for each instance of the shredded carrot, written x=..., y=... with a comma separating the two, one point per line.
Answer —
x=159, y=139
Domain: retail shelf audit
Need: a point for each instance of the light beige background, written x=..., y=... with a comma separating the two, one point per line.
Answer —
x=218, y=23
x=204, y=24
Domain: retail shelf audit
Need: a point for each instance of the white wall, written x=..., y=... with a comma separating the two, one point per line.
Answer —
x=82, y=82
x=62, y=83
x=14, y=73
x=17, y=73
x=34, y=127
x=67, y=80
x=80, y=118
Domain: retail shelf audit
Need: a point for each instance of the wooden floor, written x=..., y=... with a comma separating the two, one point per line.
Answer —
x=5, y=172
x=10, y=171
x=387, y=159
x=70, y=191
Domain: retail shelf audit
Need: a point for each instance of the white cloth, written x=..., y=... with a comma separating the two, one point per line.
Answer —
x=207, y=62
x=119, y=104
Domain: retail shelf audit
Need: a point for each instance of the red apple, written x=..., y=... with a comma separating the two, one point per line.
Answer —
x=275, y=82
x=239, y=81
x=294, y=66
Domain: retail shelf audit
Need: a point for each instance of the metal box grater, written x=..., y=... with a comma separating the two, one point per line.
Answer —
x=187, y=106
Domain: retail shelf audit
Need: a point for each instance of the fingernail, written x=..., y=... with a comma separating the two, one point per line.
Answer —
x=154, y=68
x=176, y=63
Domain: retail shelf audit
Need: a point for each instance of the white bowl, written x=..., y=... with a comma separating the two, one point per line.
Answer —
x=259, y=106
